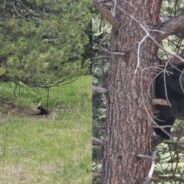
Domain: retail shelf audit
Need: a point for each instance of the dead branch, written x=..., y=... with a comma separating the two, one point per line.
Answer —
x=150, y=36
x=97, y=141
x=144, y=156
x=161, y=126
x=161, y=102
x=150, y=174
x=159, y=45
x=106, y=14
x=106, y=51
x=99, y=89
x=172, y=26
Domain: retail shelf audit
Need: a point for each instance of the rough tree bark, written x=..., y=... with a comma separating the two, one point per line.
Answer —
x=136, y=34
x=129, y=126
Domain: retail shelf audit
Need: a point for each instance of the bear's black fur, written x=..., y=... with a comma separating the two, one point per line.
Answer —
x=42, y=110
x=172, y=90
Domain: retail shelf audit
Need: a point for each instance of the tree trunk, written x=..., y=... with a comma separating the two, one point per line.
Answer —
x=129, y=111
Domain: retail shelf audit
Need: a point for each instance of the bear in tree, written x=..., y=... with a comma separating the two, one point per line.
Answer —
x=169, y=85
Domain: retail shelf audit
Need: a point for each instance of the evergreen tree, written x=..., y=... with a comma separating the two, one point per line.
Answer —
x=42, y=42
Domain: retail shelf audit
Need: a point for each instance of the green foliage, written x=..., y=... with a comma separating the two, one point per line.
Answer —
x=172, y=8
x=45, y=46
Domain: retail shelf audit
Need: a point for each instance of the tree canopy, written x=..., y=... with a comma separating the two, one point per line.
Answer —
x=42, y=42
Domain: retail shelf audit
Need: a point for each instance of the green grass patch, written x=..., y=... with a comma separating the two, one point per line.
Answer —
x=54, y=149
x=69, y=95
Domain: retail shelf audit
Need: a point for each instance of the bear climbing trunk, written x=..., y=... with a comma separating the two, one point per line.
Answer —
x=129, y=111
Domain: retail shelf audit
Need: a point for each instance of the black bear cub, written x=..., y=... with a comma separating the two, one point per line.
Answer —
x=169, y=86
x=42, y=110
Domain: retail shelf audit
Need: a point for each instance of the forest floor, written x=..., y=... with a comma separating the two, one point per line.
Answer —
x=53, y=149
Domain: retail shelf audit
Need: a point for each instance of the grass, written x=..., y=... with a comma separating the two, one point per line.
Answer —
x=54, y=149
